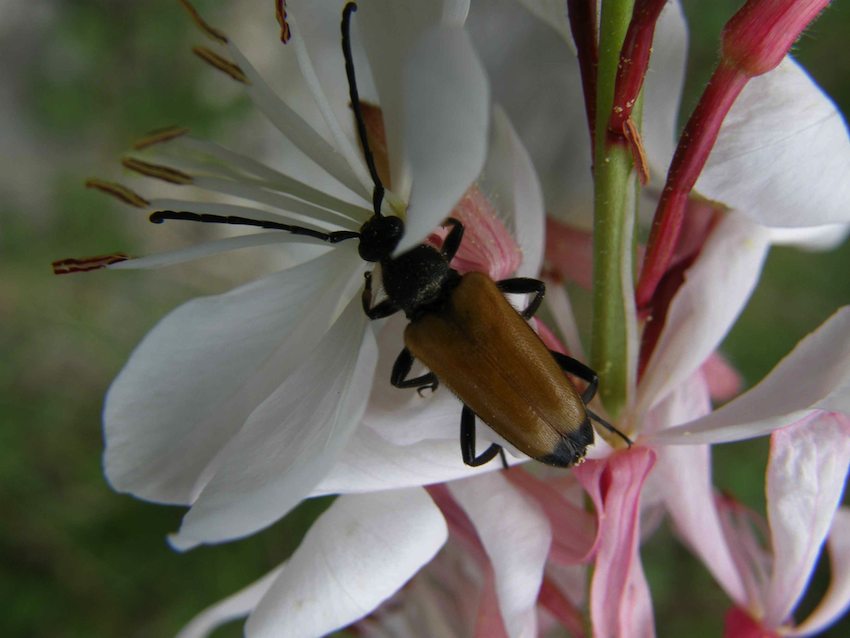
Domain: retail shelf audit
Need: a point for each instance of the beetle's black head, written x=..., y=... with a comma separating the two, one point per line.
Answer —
x=571, y=448
x=379, y=237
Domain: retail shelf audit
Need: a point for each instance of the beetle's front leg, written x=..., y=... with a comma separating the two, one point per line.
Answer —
x=383, y=309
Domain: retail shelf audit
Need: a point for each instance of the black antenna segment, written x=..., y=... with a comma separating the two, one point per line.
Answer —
x=332, y=237
x=378, y=192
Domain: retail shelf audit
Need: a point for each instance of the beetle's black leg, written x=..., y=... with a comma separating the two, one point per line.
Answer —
x=383, y=309
x=568, y=364
x=502, y=456
x=452, y=241
x=467, y=441
x=401, y=368
x=525, y=285
x=609, y=427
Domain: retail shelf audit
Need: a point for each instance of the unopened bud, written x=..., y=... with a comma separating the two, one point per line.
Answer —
x=757, y=37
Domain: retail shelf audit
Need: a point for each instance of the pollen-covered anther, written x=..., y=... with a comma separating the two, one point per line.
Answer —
x=159, y=136
x=165, y=173
x=225, y=66
x=208, y=30
x=118, y=191
x=84, y=264
x=280, y=13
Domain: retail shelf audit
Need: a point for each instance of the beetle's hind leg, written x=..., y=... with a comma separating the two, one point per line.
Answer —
x=467, y=442
x=609, y=427
x=523, y=286
x=401, y=368
x=573, y=366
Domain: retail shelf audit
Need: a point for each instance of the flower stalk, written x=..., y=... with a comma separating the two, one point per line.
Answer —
x=754, y=41
x=612, y=177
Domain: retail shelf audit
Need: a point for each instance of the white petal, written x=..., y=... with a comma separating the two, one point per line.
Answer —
x=663, y=89
x=516, y=537
x=236, y=606
x=811, y=238
x=510, y=181
x=357, y=554
x=447, y=104
x=390, y=29
x=783, y=154
x=196, y=376
x=805, y=479
x=815, y=375
x=553, y=13
x=371, y=463
x=714, y=293
x=837, y=597
x=290, y=441
x=546, y=106
x=298, y=131
x=208, y=248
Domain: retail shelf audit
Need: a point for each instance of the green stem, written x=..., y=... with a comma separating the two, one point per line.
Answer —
x=612, y=172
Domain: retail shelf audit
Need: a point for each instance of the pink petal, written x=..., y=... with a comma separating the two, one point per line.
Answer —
x=356, y=555
x=724, y=381
x=620, y=603
x=557, y=604
x=569, y=253
x=516, y=536
x=683, y=478
x=805, y=479
x=837, y=598
x=487, y=245
x=739, y=624
x=573, y=528
x=489, y=620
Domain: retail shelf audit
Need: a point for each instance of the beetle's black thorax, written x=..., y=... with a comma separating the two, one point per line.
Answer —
x=418, y=281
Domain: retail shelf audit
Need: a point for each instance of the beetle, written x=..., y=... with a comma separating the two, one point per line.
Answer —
x=462, y=328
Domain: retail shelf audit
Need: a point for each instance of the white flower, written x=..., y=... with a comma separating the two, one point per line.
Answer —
x=239, y=404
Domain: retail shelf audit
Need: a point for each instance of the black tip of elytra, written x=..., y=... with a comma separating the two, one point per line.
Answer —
x=572, y=447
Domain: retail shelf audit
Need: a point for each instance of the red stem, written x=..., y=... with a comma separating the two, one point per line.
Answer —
x=582, y=16
x=695, y=145
x=634, y=61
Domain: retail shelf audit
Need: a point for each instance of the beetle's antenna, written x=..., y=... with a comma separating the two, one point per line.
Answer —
x=609, y=427
x=378, y=192
x=332, y=237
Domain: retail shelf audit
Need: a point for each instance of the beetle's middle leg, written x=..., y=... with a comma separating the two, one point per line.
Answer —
x=522, y=286
x=467, y=442
x=573, y=366
x=401, y=368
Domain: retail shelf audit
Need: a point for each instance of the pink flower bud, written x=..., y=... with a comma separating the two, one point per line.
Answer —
x=757, y=37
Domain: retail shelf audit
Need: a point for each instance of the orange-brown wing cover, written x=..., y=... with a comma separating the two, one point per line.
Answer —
x=485, y=352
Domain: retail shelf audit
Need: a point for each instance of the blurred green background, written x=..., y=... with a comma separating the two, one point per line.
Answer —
x=80, y=80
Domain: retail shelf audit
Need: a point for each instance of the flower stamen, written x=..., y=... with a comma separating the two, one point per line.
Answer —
x=159, y=136
x=208, y=30
x=158, y=171
x=66, y=266
x=118, y=191
x=222, y=64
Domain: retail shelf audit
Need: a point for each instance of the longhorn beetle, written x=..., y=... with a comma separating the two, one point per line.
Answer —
x=463, y=329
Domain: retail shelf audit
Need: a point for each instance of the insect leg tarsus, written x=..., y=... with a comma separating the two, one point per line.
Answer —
x=383, y=309
x=525, y=285
x=573, y=366
x=401, y=368
x=452, y=241
x=609, y=427
x=467, y=441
